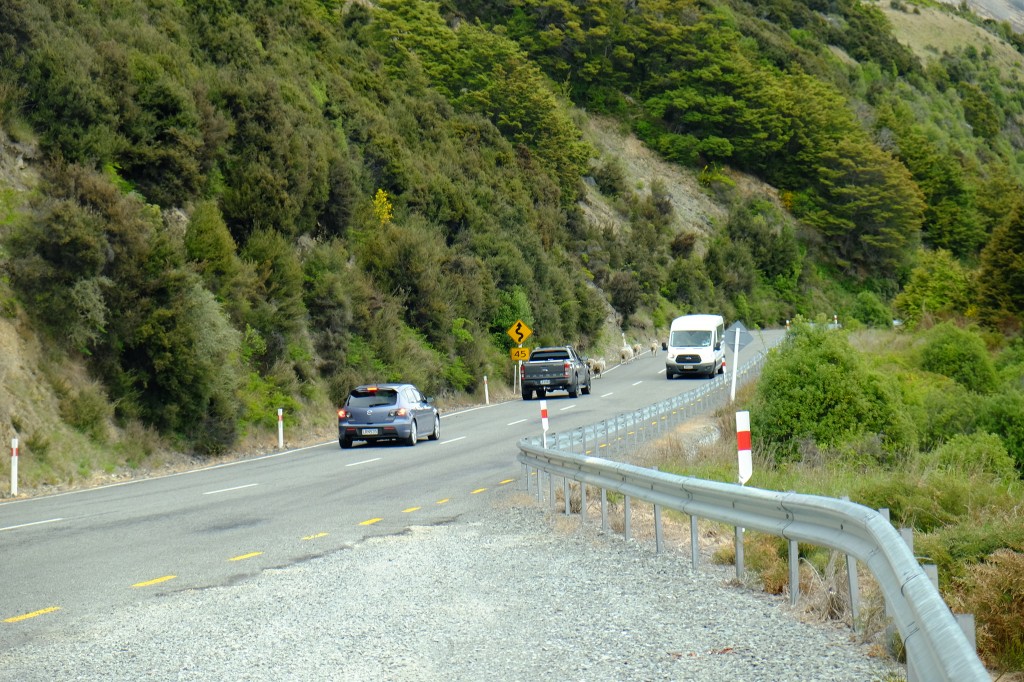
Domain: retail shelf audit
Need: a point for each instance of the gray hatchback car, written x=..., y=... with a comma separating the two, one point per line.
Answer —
x=377, y=412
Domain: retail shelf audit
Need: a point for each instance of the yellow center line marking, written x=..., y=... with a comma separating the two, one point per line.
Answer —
x=26, y=616
x=242, y=557
x=603, y=445
x=314, y=537
x=478, y=490
x=155, y=581
x=369, y=522
x=410, y=509
x=444, y=501
x=507, y=481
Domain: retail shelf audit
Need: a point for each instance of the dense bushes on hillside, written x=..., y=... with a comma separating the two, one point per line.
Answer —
x=226, y=161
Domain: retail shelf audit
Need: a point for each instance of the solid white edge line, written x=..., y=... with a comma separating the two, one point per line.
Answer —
x=227, y=490
x=33, y=523
x=365, y=461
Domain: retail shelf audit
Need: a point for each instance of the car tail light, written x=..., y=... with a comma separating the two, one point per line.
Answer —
x=522, y=370
x=342, y=414
x=400, y=412
x=565, y=368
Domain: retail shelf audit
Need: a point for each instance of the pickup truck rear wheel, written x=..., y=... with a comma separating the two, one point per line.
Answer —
x=527, y=394
x=541, y=393
x=574, y=390
x=586, y=387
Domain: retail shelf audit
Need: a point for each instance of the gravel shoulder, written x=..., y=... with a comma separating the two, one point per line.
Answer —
x=509, y=591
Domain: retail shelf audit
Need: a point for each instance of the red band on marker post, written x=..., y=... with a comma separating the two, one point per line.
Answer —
x=544, y=414
x=746, y=467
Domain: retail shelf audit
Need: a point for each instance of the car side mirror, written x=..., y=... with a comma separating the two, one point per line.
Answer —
x=718, y=346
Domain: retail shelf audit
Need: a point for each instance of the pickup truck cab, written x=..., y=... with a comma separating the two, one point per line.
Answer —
x=555, y=368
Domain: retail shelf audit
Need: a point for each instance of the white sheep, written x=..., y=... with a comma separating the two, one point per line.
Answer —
x=654, y=347
x=597, y=366
x=625, y=354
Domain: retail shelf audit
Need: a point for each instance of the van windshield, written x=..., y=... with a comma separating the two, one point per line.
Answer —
x=688, y=338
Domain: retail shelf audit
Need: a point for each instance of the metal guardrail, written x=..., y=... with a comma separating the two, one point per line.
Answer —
x=936, y=646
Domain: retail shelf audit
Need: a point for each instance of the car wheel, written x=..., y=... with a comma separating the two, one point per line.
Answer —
x=586, y=388
x=413, y=436
x=574, y=390
x=436, y=433
x=345, y=443
x=527, y=394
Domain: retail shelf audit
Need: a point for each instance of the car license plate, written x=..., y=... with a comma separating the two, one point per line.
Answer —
x=545, y=382
x=687, y=366
x=371, y=432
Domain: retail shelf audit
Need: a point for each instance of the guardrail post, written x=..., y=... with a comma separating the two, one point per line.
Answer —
x=540, y=479
x=966, y=623
x=627, y=521
x=739, y=552
x=794, y=572
x=551, y=488
x=583, y=502
x=565, y=493
x=658, y=540
x=694, y=543
x=908, y=645
x=853, y=585
x=604, y=510
x=526, y=477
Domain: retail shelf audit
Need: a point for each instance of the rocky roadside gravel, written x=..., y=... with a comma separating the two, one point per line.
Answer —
x=509, y=591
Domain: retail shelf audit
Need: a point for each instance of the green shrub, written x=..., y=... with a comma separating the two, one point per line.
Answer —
x=1003, y=414
x=940, y=407
x=816, y=386
x=870, y=310
x=959, y=354
x=976, y=454
x=88, y=411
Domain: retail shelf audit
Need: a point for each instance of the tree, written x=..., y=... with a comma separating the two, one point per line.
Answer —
x=865, y=205
x=938, y=287
x=1001, y=275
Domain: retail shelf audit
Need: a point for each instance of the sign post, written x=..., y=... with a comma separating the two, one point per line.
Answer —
x=14, y=467
x=742, y=338
x=519, y=333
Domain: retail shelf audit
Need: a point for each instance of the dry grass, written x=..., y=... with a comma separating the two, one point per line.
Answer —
x=929, y=32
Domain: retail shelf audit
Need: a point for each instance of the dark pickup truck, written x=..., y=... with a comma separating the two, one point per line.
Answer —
x=558, y=368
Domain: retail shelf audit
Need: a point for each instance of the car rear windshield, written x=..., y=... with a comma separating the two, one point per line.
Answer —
x=375, y=398
x=550, y=355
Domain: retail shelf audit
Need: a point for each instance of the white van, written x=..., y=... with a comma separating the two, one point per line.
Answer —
x=695, y=346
